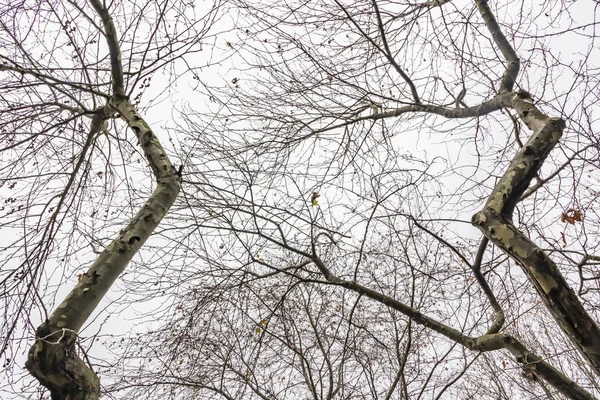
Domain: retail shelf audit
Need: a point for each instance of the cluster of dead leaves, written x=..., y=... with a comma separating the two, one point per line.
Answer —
x=571, y=216
x=314, y=197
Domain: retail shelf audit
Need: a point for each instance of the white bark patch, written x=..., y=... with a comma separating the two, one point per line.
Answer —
x=521, y=250
x=503, y=234
x=546, y=282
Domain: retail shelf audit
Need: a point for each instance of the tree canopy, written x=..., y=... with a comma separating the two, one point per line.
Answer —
x=300, y=200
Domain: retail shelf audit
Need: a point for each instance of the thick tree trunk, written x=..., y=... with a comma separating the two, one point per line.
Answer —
x=495, y=221
x=54, y=362
x=53, y=359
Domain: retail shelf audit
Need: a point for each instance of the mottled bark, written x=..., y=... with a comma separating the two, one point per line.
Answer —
x=52, y=359
x=495, y=221
x=55, y=364
x=488, y=342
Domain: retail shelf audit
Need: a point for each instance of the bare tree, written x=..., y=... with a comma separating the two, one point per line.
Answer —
x=332, y=238
x=351, y=156
x=69, y=73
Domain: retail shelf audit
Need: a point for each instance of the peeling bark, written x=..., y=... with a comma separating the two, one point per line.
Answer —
x=495, y=221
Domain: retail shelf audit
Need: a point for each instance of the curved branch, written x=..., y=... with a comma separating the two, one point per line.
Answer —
x=495, y=221
x=483, y=343
x=531, y=361
x=496, y=103
x=498, y=321
x=53, y=359
x=112, y=41
x=386, y=52
x=391, y=58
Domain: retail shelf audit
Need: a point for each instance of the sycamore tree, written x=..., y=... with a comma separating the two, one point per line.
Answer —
x=390, y=200
x=72, y=78
x=387, y=200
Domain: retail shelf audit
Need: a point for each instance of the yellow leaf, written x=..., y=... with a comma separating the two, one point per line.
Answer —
x=314, y=197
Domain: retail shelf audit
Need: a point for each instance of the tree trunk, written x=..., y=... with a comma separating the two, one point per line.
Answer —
x=53, y=359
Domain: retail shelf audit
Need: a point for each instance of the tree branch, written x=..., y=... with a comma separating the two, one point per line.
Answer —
x=495, y=221
x=512, y=61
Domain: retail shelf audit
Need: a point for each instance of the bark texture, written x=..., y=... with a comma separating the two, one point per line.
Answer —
x=54, y=362
x=495, y=221
x=53, y=359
